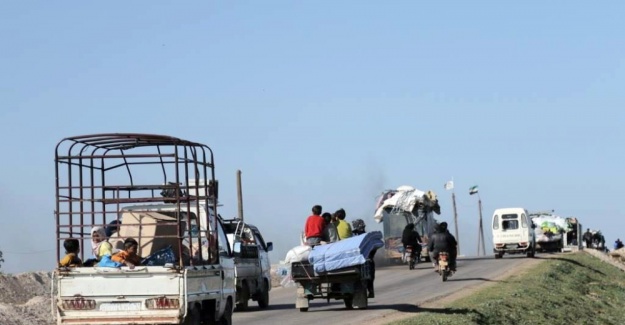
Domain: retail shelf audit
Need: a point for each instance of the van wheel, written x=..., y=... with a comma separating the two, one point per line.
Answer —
x=499, y=255
x=263, y=299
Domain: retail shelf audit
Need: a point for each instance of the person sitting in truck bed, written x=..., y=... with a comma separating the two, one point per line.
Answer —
x=72, y=248
x=100, y=246
x=128, y=256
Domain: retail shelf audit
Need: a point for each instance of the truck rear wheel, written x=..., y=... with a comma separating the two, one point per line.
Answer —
x=244, y=297
x=193, y=316
x=226, y=318
x=349, y=302
x=263, y=298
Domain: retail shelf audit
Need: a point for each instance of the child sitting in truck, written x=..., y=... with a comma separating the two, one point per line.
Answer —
x=72, y=248
x=128, y=256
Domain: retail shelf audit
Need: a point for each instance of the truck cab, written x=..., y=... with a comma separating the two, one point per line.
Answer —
x=251, y=261
x=513, y=232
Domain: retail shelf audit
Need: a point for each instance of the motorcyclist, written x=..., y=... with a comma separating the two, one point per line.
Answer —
x=443, y=241
x=410, y=237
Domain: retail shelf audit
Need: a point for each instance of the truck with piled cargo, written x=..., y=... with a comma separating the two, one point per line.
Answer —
x=555, y=233
x=397, y=208
x=160, y=191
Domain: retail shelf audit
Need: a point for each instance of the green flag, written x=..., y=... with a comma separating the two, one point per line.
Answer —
x=473, y=190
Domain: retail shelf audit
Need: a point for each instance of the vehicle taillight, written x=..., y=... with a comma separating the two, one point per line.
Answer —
x=523, y=244
x=500, y=245
x=78, y=304
x=162, y=303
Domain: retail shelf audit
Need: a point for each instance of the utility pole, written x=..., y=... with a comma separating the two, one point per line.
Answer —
x=239, y=195
x=450, y=186
x=453, y=199
x=480, y=242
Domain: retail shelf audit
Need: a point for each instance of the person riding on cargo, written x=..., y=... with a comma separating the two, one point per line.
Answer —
x=358, y=227
x=343, y=227
x=330, y=234
x=313, y=229
x=443, y=241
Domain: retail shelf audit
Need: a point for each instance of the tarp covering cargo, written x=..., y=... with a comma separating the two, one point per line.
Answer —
x=549, y=227
x=344, y=253
x=405, y=199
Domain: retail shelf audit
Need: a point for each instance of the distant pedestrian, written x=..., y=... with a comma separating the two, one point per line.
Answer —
x=588, y=238
x=618, y=244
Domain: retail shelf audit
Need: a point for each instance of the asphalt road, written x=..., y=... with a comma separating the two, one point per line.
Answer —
x=396, y=289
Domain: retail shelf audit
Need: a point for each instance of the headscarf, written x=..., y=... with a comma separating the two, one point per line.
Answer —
x=96, y=246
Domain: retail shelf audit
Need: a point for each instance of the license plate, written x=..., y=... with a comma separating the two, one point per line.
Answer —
x=120, y=306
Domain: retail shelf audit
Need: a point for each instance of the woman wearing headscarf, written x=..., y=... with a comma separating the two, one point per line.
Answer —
x=99, y=243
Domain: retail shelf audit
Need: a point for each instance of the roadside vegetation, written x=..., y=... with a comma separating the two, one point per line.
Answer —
x=574, y=288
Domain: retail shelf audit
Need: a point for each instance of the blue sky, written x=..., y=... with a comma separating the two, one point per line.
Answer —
x=324, y=103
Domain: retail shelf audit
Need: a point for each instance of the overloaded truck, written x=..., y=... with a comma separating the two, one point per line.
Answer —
x=342, y=270
x=555, y=233
x=160, y=191
x=397, y=208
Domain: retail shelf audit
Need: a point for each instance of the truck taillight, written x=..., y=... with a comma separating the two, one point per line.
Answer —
x=523, y=244
x=78, y=304
x=162, y=303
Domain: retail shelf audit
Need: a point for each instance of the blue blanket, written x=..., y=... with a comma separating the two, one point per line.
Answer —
x=345, y=253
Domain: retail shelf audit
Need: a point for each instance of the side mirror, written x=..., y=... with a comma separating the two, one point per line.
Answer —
x=269, y=246
x=237, y=248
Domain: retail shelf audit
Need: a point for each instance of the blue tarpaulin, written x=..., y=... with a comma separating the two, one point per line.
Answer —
x=345, y=253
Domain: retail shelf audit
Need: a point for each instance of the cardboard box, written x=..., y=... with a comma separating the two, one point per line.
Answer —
x=152, y=230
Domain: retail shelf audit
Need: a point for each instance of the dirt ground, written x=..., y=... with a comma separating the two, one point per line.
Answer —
x=25, y=299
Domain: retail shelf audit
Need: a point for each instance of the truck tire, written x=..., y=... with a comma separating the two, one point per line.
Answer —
x=244, y=297
x=263, y=298
x=193, y=316
x=226, y=318
x=349, y=302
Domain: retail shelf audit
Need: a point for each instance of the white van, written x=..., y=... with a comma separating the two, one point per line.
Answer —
x=513, y=232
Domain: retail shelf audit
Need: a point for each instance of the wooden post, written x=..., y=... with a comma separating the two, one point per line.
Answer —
x=239, y=195
x=453, y=199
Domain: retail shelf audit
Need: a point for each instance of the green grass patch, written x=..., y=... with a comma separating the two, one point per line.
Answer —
x=566, y=289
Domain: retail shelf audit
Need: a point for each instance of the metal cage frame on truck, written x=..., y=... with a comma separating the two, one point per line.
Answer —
x=86, y=197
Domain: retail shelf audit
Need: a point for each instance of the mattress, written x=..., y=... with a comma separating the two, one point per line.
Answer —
x=344, y=253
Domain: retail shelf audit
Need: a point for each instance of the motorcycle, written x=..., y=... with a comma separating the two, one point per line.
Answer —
x=443, y=266
x=409, y=257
